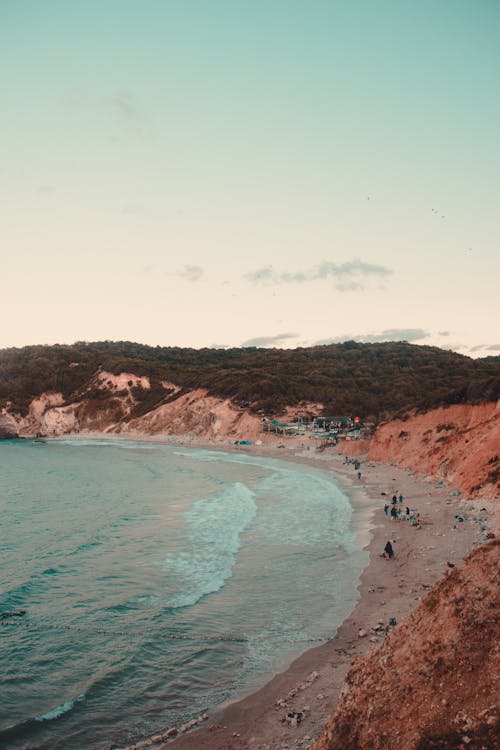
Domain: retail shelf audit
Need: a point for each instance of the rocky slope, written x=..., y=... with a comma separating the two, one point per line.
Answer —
x=119, y=404
x=433, y=683
x=459, y=444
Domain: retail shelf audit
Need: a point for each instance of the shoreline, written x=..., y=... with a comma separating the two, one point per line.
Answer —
x=311, y=683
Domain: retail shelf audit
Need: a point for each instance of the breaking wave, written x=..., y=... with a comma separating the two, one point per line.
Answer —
x=214, y=526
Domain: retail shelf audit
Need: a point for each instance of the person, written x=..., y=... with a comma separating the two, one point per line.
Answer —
x=394, y=499
x=400, y=499
x=386, y=508
x=388, y=551
x=407, y=511
x=359, y=475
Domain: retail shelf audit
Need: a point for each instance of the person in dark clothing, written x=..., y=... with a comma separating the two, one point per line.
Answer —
x=388, y=551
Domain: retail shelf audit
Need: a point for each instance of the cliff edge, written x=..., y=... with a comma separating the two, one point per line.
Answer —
x=433, y=683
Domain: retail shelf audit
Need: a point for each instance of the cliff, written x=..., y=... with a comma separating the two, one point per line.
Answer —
x=120, y=404
x=433, y=682
x=459, y=444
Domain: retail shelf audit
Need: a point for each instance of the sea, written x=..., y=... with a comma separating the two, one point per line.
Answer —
x=157, y=581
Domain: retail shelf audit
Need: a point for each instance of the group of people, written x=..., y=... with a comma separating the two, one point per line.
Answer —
x=396, y=512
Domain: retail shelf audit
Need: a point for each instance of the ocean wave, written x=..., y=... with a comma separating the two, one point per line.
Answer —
x=26, y=729
x=214, y=526
x=301, y=497
x=58, y=711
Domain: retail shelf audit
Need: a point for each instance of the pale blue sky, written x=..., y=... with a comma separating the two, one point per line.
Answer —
x=280, y=172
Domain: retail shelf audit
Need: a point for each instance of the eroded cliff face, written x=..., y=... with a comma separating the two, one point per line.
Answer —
x=120, y=404
x=433, y=683
x=459, y=444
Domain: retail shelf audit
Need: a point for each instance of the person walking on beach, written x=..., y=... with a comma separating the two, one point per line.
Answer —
x=386, y=509
x=388, y=551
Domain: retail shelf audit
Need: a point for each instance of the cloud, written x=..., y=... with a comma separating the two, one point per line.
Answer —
x=191, y=273
x=346, y=275
x=348, y=286
x=390, y=334
x=477, y=348
x=268, y=341
x=443, y=333
x=123, y=106
x=493, y=348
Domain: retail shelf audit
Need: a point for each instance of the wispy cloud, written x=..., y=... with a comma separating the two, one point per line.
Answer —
x=269, y=341
x=390, y=334
x=191, y=273
x=443, y=333
x=124, y=108
x=347, y=276
x=493, y=348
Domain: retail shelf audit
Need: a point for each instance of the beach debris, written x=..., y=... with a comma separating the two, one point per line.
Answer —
x=293, y=718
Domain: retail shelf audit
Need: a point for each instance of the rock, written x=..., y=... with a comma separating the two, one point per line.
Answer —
x=171, y=732
x=313, y=676
x=8, y=428
x=362, y=633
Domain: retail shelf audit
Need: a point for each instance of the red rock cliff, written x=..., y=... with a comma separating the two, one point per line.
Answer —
x=459, y=443
x=433, y=683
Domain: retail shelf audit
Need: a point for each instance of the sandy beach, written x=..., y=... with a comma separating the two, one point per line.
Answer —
x=388, y=590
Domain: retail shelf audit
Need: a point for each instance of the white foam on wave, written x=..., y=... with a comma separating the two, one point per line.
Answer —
x=58, y=711
x=214, y=525
x=313, y=506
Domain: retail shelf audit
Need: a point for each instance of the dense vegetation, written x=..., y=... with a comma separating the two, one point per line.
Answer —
x=371, y=380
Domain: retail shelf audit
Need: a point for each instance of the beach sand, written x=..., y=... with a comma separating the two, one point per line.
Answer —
x=387, y=589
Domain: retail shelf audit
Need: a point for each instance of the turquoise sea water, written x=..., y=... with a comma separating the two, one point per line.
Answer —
x=157, y=581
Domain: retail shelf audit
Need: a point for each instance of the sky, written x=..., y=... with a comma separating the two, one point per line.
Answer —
x=214, y=173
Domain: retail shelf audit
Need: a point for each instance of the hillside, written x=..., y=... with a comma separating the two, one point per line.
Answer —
x=433, y=681
x=370, y=380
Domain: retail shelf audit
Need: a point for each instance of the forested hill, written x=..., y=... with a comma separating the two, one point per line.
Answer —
x=371, y=380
